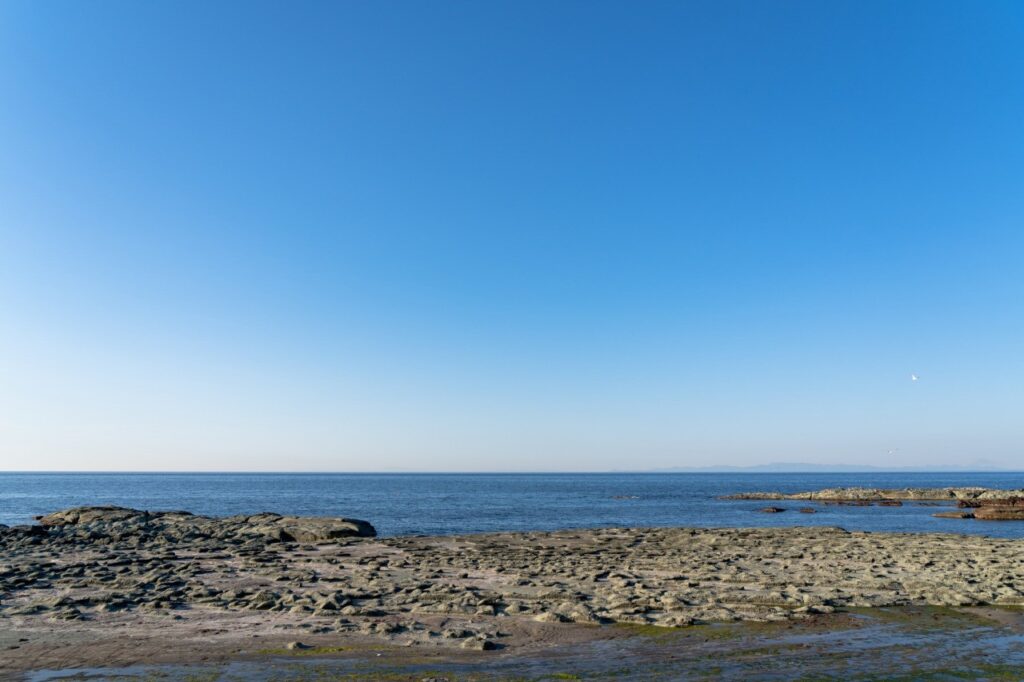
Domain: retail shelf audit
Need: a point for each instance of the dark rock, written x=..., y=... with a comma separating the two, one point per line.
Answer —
x=996, y=509
x=1010, y=502
x=314, y=529
x=772, y=510
x=479, y=644
x=29, y=531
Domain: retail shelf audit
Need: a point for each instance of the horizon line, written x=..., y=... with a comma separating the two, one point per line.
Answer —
x=757, y=469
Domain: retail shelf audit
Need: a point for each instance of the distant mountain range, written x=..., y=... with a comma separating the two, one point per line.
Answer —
x=804, y=467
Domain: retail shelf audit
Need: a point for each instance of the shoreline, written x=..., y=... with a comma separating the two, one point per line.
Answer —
x=866, y=644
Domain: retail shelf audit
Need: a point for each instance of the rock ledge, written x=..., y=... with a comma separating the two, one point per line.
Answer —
x=174, y=525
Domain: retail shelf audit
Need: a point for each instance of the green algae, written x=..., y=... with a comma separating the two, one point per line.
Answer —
x=981, y=671
x=924, y=617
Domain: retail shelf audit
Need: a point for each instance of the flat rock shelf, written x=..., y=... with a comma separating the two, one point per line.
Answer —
x=89, y=574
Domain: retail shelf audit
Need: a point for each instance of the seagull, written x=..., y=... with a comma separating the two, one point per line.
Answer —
x=913, y=377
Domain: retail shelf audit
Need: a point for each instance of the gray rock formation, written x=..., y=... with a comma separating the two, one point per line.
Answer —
x=177, y=525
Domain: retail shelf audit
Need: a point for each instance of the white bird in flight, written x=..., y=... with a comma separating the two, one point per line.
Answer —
x=913, y=377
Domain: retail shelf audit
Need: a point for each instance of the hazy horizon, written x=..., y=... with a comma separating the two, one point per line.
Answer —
x=809, y=469
x=510, y=236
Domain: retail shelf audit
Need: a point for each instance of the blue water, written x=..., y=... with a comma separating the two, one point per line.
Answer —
x=400, y=504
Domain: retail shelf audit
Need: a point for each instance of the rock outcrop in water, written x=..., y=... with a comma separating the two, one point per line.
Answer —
x=1008, y=509
x=176, y=526
x=984, y=504
x=884, y=495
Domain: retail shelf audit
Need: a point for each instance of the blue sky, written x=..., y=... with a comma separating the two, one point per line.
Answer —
x=358, y=236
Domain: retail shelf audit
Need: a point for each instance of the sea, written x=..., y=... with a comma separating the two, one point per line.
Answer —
x=440, y=504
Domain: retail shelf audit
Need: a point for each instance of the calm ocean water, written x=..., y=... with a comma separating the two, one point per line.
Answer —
x=399, y=504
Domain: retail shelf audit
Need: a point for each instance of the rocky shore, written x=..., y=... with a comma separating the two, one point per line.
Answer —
x=102, y=574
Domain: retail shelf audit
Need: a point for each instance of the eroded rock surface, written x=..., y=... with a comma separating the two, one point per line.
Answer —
x=90, y=572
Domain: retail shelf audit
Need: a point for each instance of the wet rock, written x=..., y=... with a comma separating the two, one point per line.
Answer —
x=772, y=510
x=996, y=509
x=999, y=513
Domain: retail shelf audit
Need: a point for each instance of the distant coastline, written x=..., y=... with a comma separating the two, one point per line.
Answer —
x=806, y=468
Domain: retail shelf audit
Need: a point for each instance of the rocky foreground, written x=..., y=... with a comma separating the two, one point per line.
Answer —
x=95, y=574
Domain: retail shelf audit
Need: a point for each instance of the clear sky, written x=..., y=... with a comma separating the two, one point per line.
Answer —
x=517, y=235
